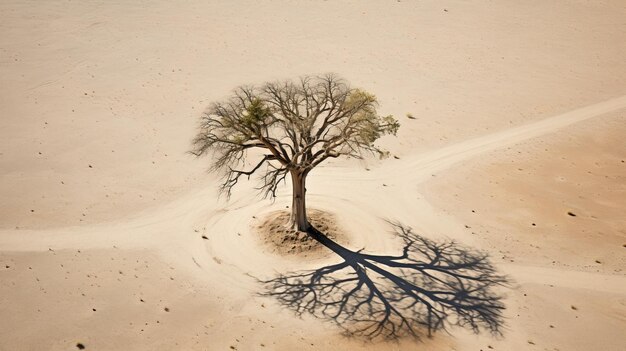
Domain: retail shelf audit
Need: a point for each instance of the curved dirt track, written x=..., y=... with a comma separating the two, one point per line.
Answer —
x=112, y=236
x=196, y=208
x=233, y=258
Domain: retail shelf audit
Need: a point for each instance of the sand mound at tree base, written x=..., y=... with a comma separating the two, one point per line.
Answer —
x=275, y=232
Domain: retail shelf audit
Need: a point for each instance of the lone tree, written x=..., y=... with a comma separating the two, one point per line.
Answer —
x=289, y=127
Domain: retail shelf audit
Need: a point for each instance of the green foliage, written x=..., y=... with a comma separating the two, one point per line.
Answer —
x=358, y=98
x=255, y=114
x=389, y=125
x=296, y=124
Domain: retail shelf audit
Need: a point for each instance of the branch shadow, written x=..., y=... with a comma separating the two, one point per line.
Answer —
x=426, y=288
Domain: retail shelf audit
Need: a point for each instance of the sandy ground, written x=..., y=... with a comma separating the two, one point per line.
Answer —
x=551, y=210
x=520, y=116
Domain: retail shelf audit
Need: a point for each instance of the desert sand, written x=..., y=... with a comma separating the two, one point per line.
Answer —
x=112, y=237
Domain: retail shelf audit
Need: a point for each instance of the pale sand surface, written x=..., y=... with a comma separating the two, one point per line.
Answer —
x=521, y=117
x=516, y=203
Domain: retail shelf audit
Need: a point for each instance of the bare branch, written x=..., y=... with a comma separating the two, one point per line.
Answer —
x=301, y=124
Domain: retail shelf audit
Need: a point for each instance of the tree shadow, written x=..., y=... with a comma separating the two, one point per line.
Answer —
x=426, y=288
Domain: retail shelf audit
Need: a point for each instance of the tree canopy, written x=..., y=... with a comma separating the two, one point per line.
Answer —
x=295, y=126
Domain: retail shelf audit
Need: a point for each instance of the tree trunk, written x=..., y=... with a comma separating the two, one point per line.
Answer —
x=298, y=204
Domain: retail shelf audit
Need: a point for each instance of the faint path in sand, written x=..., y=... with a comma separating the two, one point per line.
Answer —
x=415, y=169
x=174, y=229
x=438, y=160
x=402, y=179
x=230, y=253
x=610, y=283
